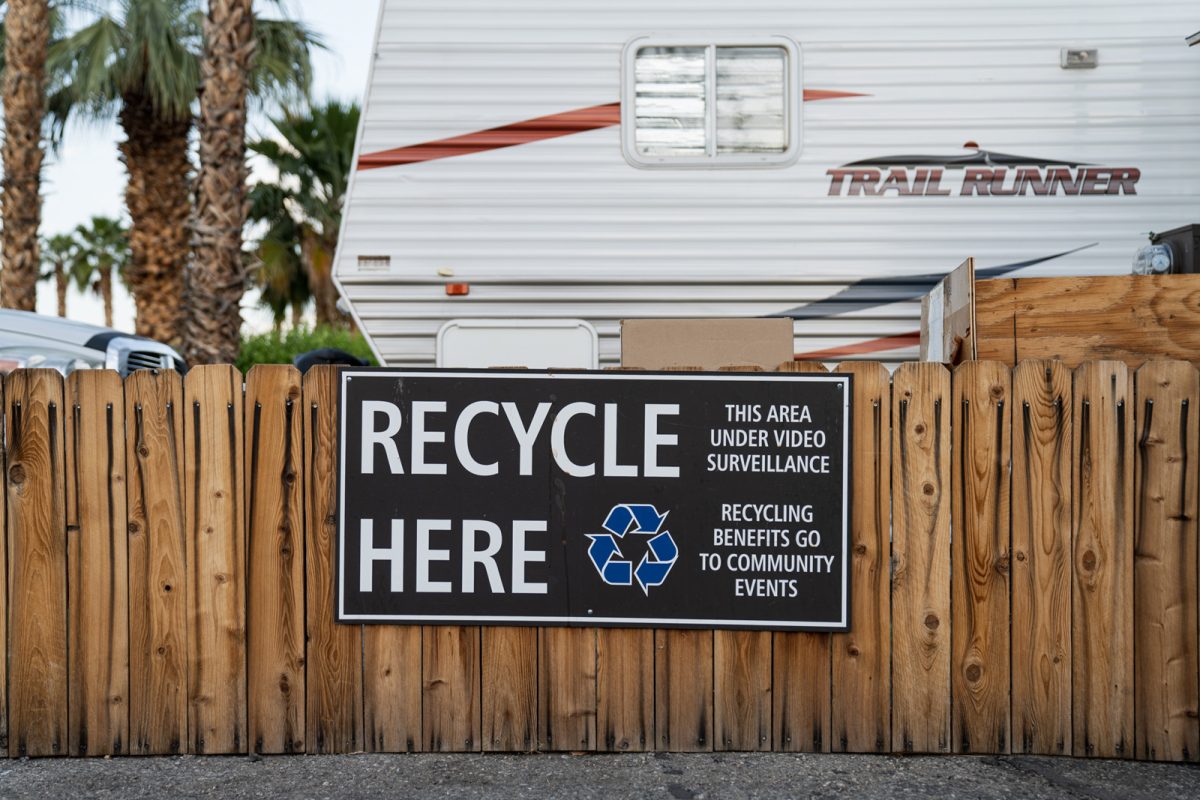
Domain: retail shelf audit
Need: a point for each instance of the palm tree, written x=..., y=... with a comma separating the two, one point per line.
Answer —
x=216, y=278
x=26, y=37
x=140, y=64
x=102, y=250
x=59, y=252
x=312, y=155
x=276, y=268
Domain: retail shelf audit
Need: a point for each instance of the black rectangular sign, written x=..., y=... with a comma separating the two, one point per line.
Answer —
x=680, y=499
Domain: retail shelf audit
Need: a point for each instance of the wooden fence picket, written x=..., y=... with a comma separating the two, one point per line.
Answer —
x=509, y=671
x=921, y=559
x=333, y=661
x=97, y=564
x=1102, y=625
x=1165, y=648
x=981, y=425
x=861, y=671
x=1041, y=574
x=451, y=708
x=274, y=560
x=567, y=689
x=216, y=559
x=37, y=564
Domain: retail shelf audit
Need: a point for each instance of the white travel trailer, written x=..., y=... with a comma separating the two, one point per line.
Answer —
x=608, y=159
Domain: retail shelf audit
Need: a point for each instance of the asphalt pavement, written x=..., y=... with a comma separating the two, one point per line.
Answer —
x=674, y=776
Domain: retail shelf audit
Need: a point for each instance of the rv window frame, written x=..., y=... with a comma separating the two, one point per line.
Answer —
x=793, y=92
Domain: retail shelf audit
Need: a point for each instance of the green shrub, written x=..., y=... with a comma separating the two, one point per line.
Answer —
x=277, y=348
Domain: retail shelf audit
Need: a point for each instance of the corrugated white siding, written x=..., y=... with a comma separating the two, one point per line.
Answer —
x=566, y=228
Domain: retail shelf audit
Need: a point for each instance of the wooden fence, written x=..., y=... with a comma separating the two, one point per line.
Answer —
x=170, y=585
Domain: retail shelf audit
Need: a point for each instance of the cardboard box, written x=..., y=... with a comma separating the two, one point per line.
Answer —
x=706, y=343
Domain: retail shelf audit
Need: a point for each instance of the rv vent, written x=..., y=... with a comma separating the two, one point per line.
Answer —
x=374, y=263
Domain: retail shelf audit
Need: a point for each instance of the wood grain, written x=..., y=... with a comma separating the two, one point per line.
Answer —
x=862, y=659
x=1102, y=635
x=995, y=320
x=392, y=688
x=509, y=670
x=334, y=676
x=683, y=690
x=981, y=423
x=275, y=559
x=97, y=564
x=1041, y=579
x=567, y=689
x=742, y=690
x=1166, y=725
x=216, y=559
x=625, y=689
x=1128, y=318
x=37, y=564
x=921, y=559
x=450, y=693
x=800, y=671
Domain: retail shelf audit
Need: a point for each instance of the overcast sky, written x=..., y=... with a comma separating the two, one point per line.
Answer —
x=86, y=178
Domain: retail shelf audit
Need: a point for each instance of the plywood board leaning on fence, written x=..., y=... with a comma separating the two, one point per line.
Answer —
x=921, y=559
x=1167, y=727
x=216, y=558
x=1041, y=566
x=97, y=564
x=1102, y=610
x=37, y=564
x=981, y=422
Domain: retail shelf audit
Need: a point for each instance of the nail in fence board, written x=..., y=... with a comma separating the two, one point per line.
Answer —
x=509, y=669
x=980, y=421
x=275, y=565
x=391, y=686
x=921, y=559
x=862, y=658
x=450, y=696
x=567, y=689
x=97, y=564
x=683, y=683
x=800, y=667
x=1103, y=558
x=1041, y=566
x=216, y=558
x=625, y=689
x=333, y=678
x=37, y=558
x=1165, y=702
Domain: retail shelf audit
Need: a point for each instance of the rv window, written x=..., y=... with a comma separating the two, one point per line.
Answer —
x=711, y=105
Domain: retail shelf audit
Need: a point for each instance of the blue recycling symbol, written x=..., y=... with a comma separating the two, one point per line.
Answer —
x=629, y=519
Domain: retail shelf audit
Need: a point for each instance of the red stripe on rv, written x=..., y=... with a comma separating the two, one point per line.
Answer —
x=524, y=132
x=860, y=348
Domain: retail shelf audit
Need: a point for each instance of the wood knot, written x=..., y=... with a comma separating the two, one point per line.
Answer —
x=932, y=622
x=997, y=391
x=927, y=488
x=919, y=428
x=134, y=528
x=289, y=477
x=166, y=587
x=16, y=474
x=221, y=577
x=1002, y=563
x=853, y=651
x=1020, y=555
x=860, y=549
x=974, y=673
x=143, y=451
x=1089, y=560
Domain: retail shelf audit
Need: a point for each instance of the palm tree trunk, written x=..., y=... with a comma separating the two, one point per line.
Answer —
x=318, y=265
x=27, y=33
x=106, y=287
x=297, y=314
x=155, y=152
x=216, y=275
x=60, y=286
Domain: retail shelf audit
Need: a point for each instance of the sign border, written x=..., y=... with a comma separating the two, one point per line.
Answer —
x=846, y=379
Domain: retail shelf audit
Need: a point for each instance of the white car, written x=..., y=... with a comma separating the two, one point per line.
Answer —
x=29, y=340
